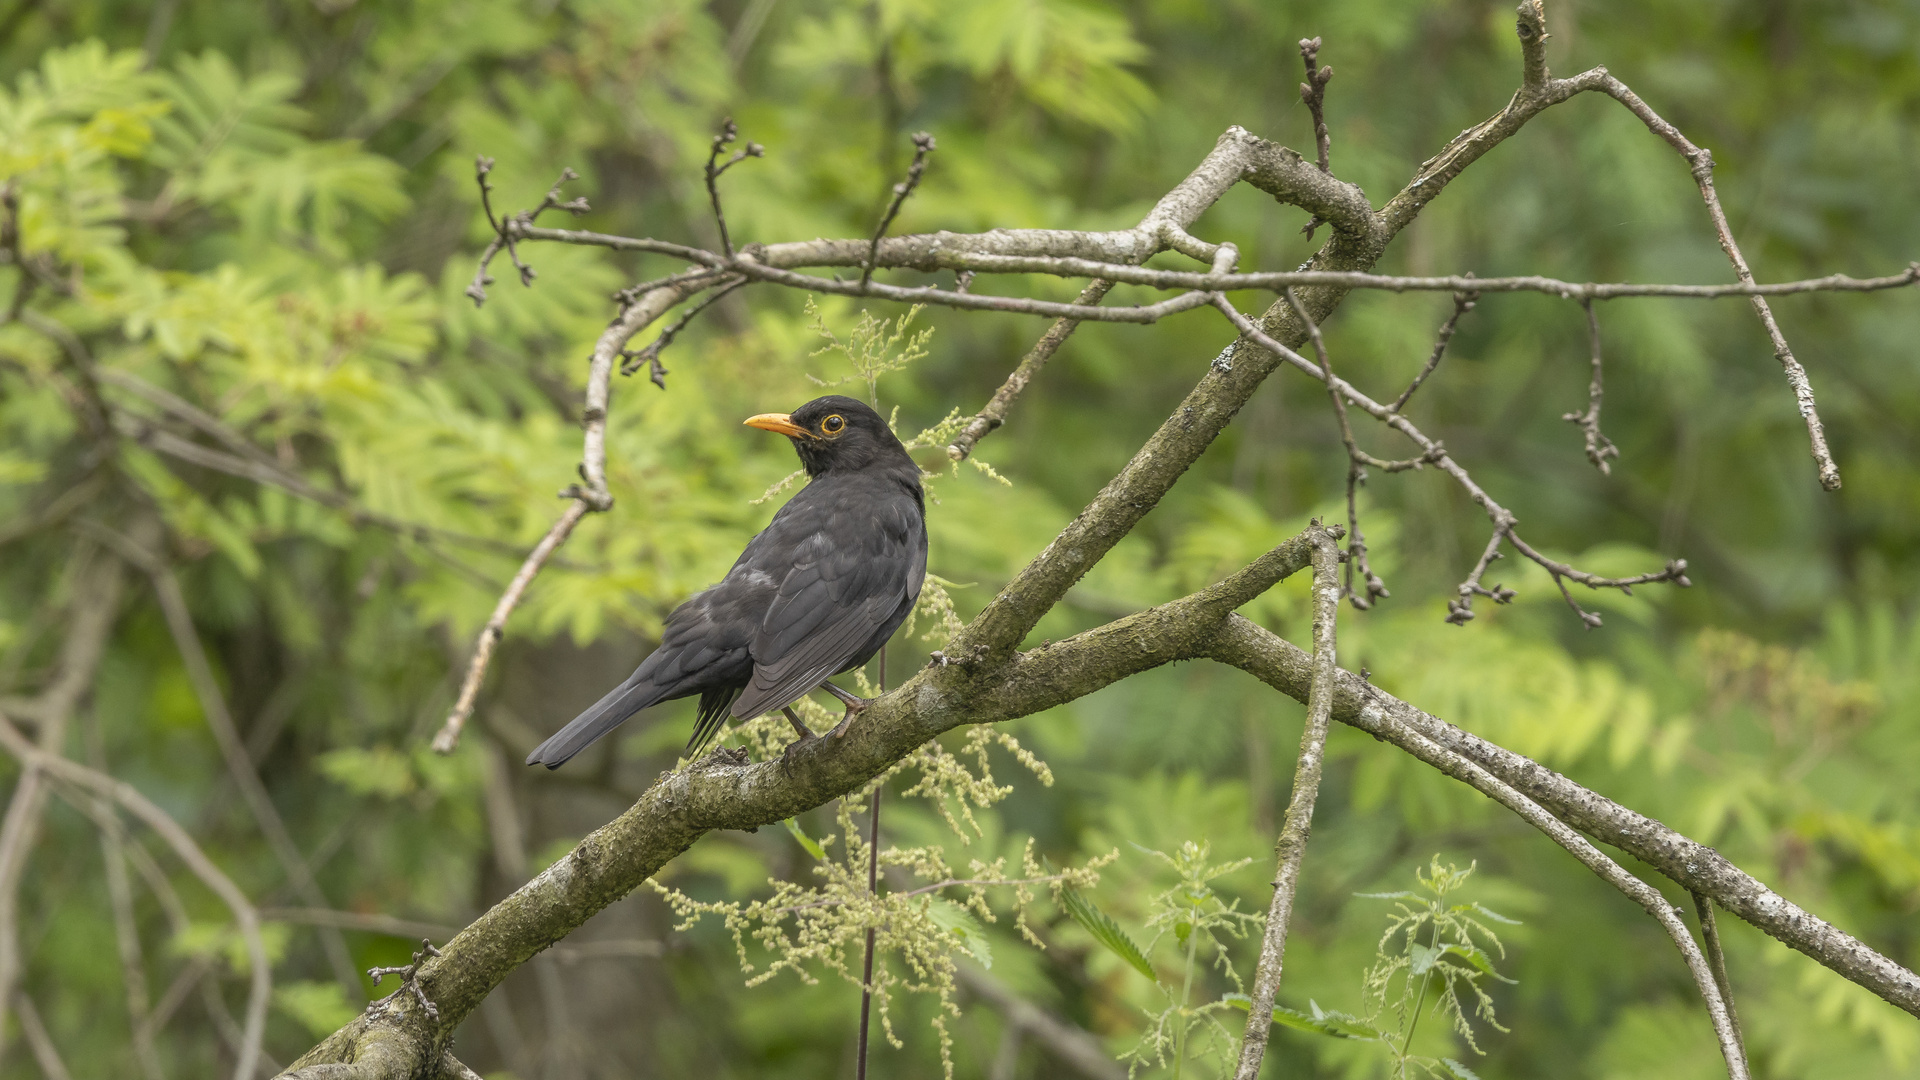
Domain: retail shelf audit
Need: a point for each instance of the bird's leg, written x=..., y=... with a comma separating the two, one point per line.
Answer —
x=854, y=703
x=799, y=728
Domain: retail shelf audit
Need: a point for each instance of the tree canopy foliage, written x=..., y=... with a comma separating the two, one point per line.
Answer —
x=265, y=214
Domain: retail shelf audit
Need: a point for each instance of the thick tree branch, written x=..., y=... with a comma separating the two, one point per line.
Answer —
x=1692, y=865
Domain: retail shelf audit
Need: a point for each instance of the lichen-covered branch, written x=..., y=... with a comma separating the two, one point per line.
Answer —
x=1292, y=846
x=1692, y=865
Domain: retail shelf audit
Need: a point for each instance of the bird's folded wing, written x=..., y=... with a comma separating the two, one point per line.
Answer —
x=827, y=612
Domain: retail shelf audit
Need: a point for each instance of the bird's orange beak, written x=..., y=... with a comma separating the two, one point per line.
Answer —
x=778, y=422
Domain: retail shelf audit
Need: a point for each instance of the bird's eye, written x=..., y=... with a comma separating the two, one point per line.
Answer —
x=833, y=425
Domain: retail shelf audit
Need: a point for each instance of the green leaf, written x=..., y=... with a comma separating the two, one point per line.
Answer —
x=813, y=846
x=1337, y=1025
x=1475, y=956
x=1105, y=931
x=1458, y=1070
x=1401, y=895
x=1494, y=915
x=1424, y=957
x=960, y=922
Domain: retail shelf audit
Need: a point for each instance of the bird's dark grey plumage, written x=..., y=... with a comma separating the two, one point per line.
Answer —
x=816, y=593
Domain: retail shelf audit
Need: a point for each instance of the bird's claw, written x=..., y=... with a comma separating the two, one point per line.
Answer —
x=854, y=708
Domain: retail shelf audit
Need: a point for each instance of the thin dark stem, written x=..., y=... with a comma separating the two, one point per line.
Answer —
x=1357, y=461
x=995, y=412
x=1463, y=302
x=728, y=132
x=650, y=356
x=873, y=886
x=1599, y=447
x=507, y=228
x=922, y=146
x=1314, y=93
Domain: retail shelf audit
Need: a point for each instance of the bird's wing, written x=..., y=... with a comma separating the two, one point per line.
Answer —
x=851, y=578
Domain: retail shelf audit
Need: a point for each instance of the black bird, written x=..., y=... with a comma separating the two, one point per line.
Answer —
x=816, y=593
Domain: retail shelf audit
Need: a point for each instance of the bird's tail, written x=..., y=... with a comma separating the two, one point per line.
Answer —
x=608, y=713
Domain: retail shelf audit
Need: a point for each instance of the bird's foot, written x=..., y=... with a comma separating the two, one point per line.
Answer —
x=799, y=728
x=855, y=706
x=804, y=732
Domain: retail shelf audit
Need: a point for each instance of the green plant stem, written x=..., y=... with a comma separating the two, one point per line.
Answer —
x=1413, y=1025
x=1186, y=994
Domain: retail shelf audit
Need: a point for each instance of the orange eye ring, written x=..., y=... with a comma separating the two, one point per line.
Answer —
x=833, y=425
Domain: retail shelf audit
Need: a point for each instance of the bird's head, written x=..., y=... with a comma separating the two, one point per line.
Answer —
x=835, y=433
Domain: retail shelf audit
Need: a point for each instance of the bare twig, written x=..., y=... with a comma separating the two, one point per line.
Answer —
x=1314, y=93
x=1599, y=447
x=1503, y=520
x=631, y=362
x=1292, y=846
x=728, y=132
x=1356, y=560
x=1054, y=252
x=189, y=852
x=409, y=980
x=994, y=413
x=1460, y=610
x=922, y=146
x=506, y=230
x=1463, y=302
x=1701, y=162
x=490, y=634
x=1717, y=959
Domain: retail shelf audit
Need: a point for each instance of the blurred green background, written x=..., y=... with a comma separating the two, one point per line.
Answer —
x=268, y=209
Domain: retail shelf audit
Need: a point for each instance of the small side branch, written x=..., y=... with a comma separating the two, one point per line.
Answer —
x=1356, y=560
x=507, y=229
x=1599, y=447
x=729, y=131
x=1701, y=162
x=490, y=634
x=1460, y=610
x=409, y=980
x=922, y=146
x=988, y=419
x=1314, y=93
x=1717, y=959
x=1503, y=520
x=1463, y=302
x=631, y=362
x=1292, y=846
